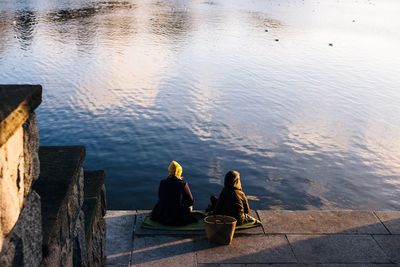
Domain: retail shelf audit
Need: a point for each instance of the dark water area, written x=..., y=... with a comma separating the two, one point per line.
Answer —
x=302, y=97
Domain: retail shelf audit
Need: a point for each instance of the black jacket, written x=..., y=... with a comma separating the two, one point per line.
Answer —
x=174, y=200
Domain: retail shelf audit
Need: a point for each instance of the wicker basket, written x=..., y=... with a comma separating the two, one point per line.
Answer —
x=220, y=228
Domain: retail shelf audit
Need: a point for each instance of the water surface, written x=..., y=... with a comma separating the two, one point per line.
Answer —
x=302, y=97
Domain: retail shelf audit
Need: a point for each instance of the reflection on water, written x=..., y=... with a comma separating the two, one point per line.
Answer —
x=206, y=83
x=24, y=26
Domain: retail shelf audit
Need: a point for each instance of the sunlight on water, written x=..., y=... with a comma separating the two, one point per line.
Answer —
x=300, y=96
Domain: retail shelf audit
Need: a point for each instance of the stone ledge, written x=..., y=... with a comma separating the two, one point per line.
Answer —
x=18, y=102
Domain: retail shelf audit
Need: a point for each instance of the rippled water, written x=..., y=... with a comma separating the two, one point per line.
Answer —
x=302, y=97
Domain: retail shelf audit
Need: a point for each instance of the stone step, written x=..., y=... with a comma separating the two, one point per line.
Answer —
x=94, y=208
x=60, y=186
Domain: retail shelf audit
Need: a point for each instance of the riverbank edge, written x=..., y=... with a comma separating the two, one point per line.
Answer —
x=286, y=238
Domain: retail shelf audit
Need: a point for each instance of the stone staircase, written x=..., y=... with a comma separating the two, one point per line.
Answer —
x=51, y=210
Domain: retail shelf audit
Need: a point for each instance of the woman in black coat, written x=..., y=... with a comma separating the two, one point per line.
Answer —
x=175, y=200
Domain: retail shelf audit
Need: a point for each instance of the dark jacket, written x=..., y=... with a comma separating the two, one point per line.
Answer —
x=232, y=201
x=174, y=200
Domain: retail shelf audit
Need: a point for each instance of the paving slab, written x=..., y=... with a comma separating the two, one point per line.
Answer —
x=247, y=265
x=119, y=237
x=390, y=244
x=164, y=251
x=298, y=264
x=391, y=219
x=337, y=249
x=321, y=222
x=247, y=249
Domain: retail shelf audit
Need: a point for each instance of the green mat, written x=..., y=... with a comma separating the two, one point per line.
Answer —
x=148, y=223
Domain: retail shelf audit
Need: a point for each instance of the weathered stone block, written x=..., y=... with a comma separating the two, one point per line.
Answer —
x=95, y=233
x=94, y=209
x=60, y=186
x=18, y=169
x=79, y=242
x=23, y=247
x=11, y=182
x=31, y=152
x=95, y=188
x=17, y=103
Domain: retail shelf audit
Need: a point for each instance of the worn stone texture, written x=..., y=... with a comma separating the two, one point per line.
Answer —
x=337, y=249
x=97, y=244
x=17, y=103
x=94, y=209
x=390, y=244
x=61, y=190
x=164, y=251
x=79, y=242
x=248, y=249
x=120, y=225
x=95, y=188
x=23, y=247
x=321, y=222
x=31, y=152
x=391, y=220
x=11, y=182
x=18, y=169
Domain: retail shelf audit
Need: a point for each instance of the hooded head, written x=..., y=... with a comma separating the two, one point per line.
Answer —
x=175, y=169
x=232, y=180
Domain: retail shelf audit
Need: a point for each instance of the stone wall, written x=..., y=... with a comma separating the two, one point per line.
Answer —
x=18, y=152
x=23, y=247
x=51, y=213
x=19, y=163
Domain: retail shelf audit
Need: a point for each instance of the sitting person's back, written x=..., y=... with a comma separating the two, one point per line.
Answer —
x=232, y=200
x=174, y=199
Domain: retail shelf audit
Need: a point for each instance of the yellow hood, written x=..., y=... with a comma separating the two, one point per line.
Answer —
x=175, y=169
